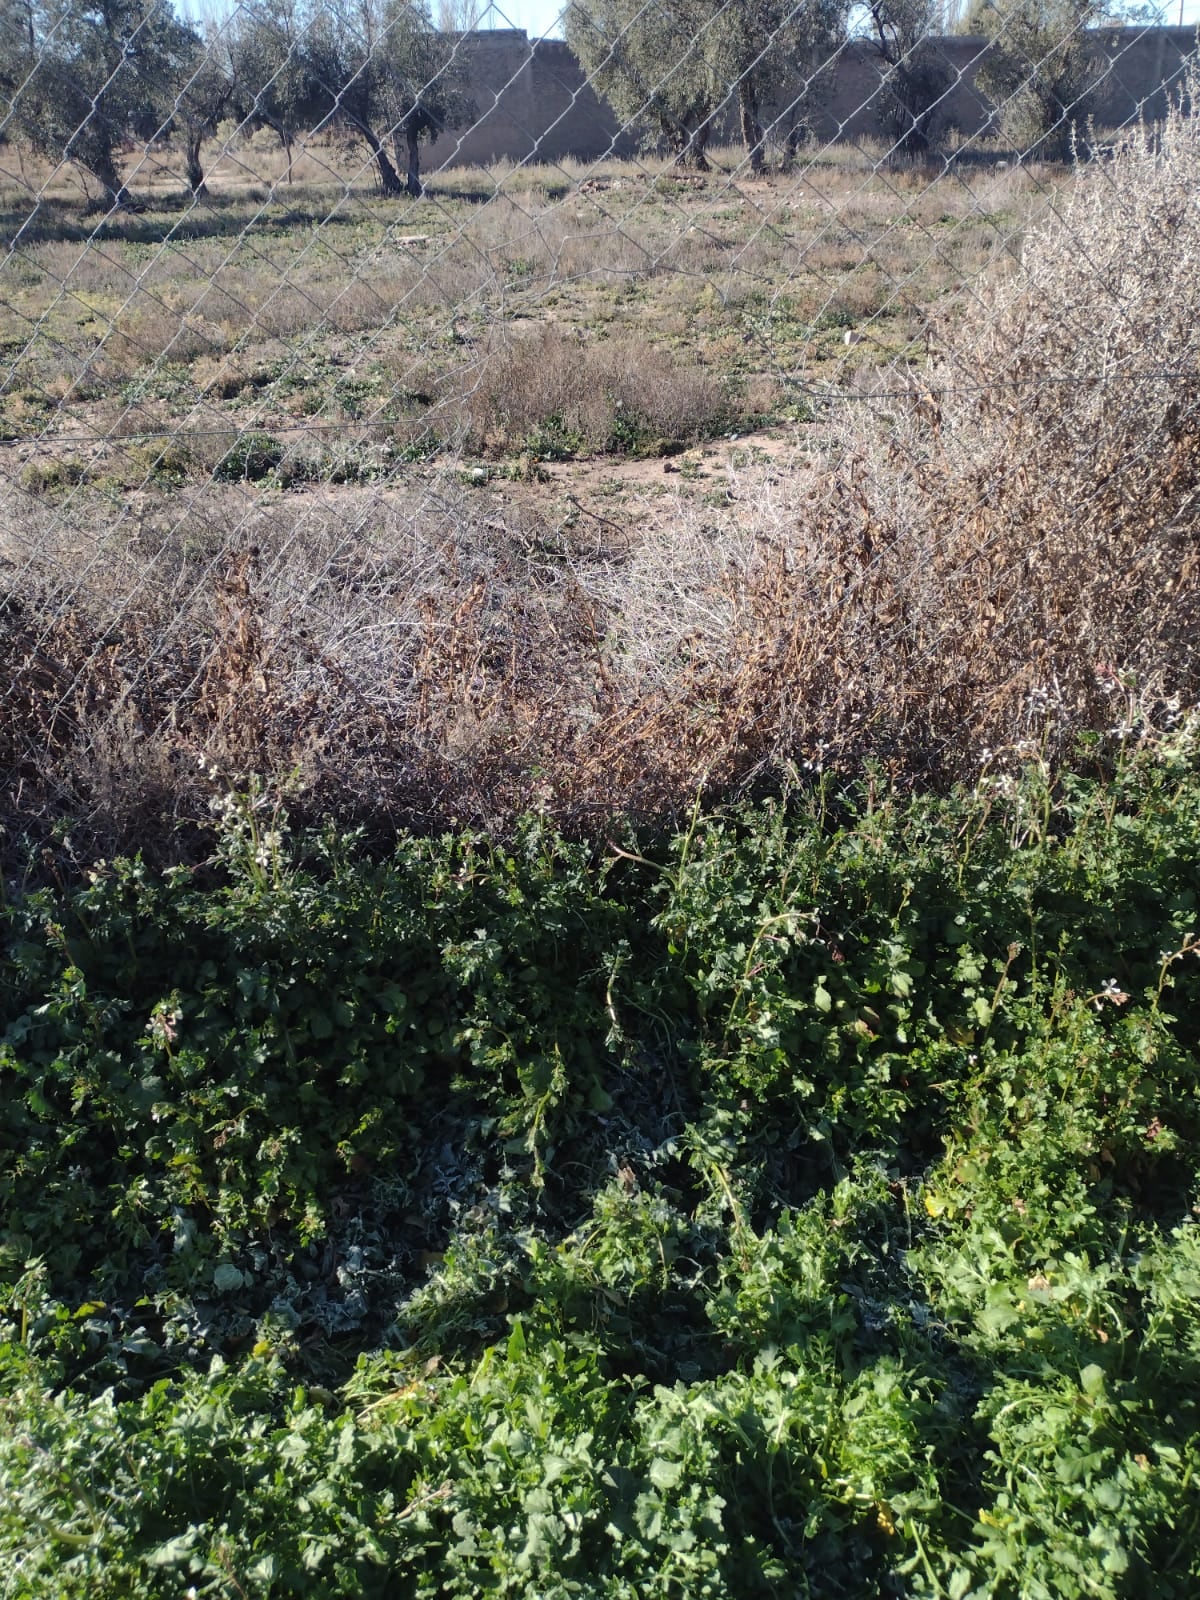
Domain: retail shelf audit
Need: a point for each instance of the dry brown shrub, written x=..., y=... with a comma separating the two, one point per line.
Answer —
x=222, y=376
x=372, y=304
x=150, y=334
x=1011, y=558
x=613, y=394
x=119, y=419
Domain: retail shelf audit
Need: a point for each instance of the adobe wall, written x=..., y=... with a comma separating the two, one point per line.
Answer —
x=533, y=102
x=1135, y=72
x=1142, y=69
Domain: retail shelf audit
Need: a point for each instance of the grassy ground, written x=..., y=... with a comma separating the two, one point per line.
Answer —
x=508, y=312
x=411, y=500
x=429, y=511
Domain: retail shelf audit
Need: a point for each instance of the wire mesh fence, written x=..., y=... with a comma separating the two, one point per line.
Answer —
x=438, y=424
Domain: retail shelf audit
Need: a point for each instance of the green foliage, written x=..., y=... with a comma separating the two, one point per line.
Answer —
x=162, y=461
x=383, y=70
x=45, y=477
x=251, y=457
x=553, y=440
x=916, y=75
x=1040, y=67
x=752, y=51
x=273, y=76
x=802, y=1204
x=78, y=77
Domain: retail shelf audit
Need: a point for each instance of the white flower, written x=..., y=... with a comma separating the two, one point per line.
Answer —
x=268, y=847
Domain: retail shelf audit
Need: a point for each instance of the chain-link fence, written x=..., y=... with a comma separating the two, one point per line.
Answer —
x=439, y=423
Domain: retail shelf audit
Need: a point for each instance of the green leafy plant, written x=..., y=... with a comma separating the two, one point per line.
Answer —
x=251, y=457
x=801, y=1203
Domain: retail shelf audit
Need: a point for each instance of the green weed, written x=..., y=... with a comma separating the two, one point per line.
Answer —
x=801, y=1204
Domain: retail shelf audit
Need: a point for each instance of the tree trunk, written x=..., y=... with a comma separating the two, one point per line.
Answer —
x=389, y=182
x=93, y=151
x=284, y=134
x=752, y=133
x=195, y=172
x=703, y=134
x=408, y=155
x=104, y=167
x=690, y=145
x=796, y=135
x=414, y=162
x=909, y=96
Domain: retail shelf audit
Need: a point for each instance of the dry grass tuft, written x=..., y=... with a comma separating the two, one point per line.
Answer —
x=557, y=392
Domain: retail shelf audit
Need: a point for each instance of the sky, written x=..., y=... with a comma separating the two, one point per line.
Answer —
x=541, y=18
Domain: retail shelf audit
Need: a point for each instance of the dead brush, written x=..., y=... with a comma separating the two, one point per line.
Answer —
x=1007, y=540
x=995, y=552
x=1001, y=557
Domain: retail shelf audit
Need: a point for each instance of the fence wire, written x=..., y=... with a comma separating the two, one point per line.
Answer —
x=411, y=404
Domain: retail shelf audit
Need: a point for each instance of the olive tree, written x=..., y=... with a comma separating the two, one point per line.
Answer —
x=79, y=76
x=914, y=71
x=208, y=93
x=381, y=69
x=678, y=65
x=652, y=63
x=273, y=71
x=775, y=52
x=1039, y=67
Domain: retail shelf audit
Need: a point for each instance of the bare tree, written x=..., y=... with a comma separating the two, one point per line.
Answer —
x=460, y=16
